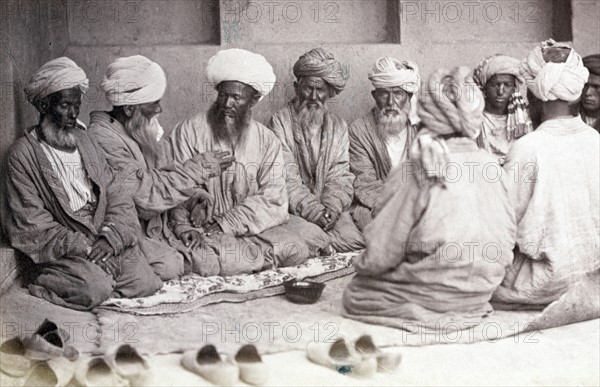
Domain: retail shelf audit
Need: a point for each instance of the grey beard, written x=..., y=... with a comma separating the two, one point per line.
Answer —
x=391, y=124
x=311, y=119
x=143, y=131
x=225, y=128
x=58, y=138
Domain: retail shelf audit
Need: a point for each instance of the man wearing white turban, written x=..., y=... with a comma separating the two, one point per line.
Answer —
x=315, y=150
x=130, y=136
x=238, y=222
x=68, y=213
x=380, y=140
x=427, y=257
x=553, y=185
x=506, y=115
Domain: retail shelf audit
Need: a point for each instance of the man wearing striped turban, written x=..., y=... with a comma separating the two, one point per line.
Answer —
x=315, y=150
x=68, y=211
x=130, y=136
x=505, y=117
x=590, y=101
x=380, y=140
x=553, y=185
x=443, y=231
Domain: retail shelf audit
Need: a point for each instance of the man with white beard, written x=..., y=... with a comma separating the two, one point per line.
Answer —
x=315, y=150
x=380, y=140
x=130, y=135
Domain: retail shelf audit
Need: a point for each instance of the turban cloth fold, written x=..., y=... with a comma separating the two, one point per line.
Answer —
x=518, y=122
x=390, y=72
x=592, y=63
x=551, y=80
x=134, y=80
x=58, y=74
x=451, y=105
x=241, y=66
x=320, y=63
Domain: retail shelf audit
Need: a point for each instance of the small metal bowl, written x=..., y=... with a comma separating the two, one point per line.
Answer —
x=303, y=292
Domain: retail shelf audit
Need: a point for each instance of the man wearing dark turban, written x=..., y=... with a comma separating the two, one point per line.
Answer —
x=315, y=150
x=590, y=99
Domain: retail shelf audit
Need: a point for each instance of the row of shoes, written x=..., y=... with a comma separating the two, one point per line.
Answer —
x=45, y=359
x=361, y=358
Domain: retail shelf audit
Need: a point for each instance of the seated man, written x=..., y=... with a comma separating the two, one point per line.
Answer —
x=315, y=150
x=129, y=136
x=590, y=98
x=554, y=187
x=443, y=232
x=380, y=140
x=506, y=117
x=240, y=226
x=68, y=212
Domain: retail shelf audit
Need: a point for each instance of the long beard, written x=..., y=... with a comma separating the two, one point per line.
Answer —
x=228, y=128
x=391, y=121
x=62, y=138
x=310, y=118
x=146, y=132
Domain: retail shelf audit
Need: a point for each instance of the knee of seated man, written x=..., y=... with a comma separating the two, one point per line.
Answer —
x=169, y=268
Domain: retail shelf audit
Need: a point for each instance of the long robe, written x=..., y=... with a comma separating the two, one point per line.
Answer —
x=250, y=203
x=370, y=163
x=327, y=183
x=554, y=188
x=156, y=189
x=435, y=254
x=44, y=227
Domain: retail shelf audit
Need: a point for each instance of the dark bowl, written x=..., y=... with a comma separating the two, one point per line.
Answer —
x=303, y=292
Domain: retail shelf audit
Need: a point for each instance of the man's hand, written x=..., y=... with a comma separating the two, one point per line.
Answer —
x=192, y=238
x=212, y=227
x=101, y=251
x=331, y=216
x=215, y=162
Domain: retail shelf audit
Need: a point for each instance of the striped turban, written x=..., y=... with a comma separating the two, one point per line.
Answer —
x=320, y=63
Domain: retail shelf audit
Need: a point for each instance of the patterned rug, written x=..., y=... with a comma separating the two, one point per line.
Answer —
x=193, y=291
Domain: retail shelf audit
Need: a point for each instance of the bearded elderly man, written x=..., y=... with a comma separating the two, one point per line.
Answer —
x=129, y=135
x=554, y=185
x=315, y=150
x=506, y=114
x=239, y=222
x=590, y=99
x=380, y=140
x=68, y=212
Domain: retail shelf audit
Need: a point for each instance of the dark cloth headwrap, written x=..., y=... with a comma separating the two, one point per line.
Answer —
x=320, y=63
x=592, y=63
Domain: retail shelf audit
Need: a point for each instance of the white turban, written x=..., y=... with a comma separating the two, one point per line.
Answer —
x=390, y=72
x=133, y=81
x=241, y=66
x=58, y=74
x=550, y=81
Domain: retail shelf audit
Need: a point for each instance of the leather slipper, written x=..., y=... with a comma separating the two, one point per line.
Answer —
x=96, y=372
x=129, y=364
x=211, y=366
x=342, y=357
x=386, y=362
x=12, y=358
x=47, y=342
x=252, y=368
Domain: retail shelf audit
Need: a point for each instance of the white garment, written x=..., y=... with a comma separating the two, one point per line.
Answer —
x=69, y=168
x=395, y=147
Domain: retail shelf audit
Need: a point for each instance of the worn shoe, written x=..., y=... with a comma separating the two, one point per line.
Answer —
x=47, y=342
x=342, y=357
x=211, y=366
x=386, y=362
x=129, y=364
x=97, y=372
x=12, y=358
x=56, y=372
x=252, y=369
